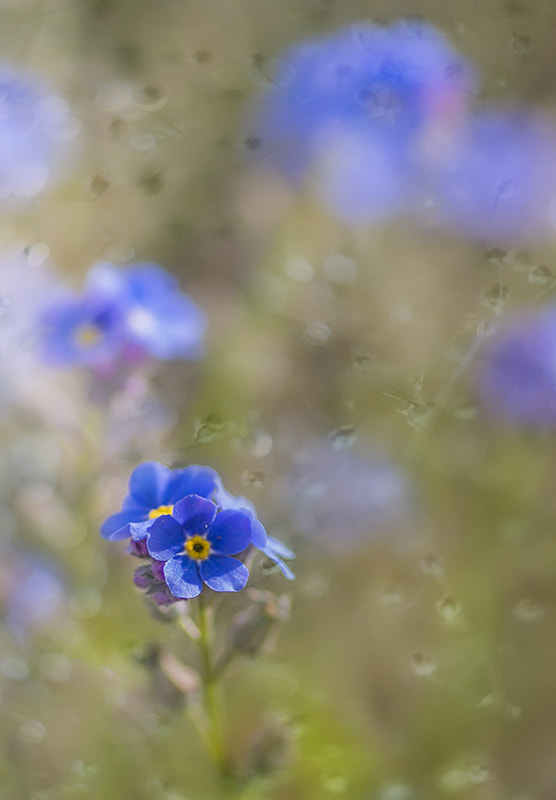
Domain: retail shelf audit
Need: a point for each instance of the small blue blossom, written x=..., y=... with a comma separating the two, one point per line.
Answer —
x=515, y=373
x=352, y=110
x=496, y=179
x=123, y=313
x=197, y=544
x=35, y=126
x=153, y=491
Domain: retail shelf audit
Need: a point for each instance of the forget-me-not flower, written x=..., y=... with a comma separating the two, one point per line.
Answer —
x=197, y=544
x=35, y=126
x=351, y=111
x=153, y=491
x=496, y=180
x=123, y=313
x=515, y=373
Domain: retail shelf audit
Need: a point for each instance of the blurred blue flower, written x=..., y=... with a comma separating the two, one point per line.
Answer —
x=496, y=179
x=124, y=313
x=32, y=592
x=197, y=543
x=35, y=126
x=352, y=110
x=346, y=497
x=153, y=491
x=515, y=373
x=25, y=280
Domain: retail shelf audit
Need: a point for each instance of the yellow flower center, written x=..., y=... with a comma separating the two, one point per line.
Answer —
x=161, y=511
x=198, y=548
x=87, y=335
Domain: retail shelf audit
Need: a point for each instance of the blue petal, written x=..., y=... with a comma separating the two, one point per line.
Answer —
x=286, y=571
x=279, y=548
x=167, y=323
x=231, y=532
x=116, y=526
x=224, y=574
x=274, y=550
x=259, y=538
x=194, y=513
x=165, y=538
x=175, y=330
x=129, y=503
x=182, y=576
x=191, y=480
x=148, y=482
x=139, y=530
x=226, y=500
x=146, y=280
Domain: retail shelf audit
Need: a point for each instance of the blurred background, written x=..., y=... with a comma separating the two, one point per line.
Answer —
x=336, y=393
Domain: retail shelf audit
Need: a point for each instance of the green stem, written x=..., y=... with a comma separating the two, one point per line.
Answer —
x=210, y=689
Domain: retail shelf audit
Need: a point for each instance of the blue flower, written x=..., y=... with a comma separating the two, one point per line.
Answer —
x=158, y=493
x=33, y=592
x=123, y=313
x=153, y=492
x=515, y=373
x=197, y=543
x=345, y=497
x=351, y=111
x=496, y=179
x=35, y=126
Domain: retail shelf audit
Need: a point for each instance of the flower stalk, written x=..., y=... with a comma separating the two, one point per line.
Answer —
x=211, y=695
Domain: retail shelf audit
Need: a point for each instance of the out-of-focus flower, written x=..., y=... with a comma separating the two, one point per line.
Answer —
x=342, y=497
x=35, y=126
x=125, y=314
x=31, y=591
x=153, y=491
x=197, y=543
x=25, y=280
x=515, y=372
x=496, y=179
x=352, y=112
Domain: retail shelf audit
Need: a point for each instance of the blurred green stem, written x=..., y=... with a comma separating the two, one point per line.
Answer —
x=211, y=693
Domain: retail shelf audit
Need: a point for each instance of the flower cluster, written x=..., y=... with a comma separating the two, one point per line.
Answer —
x=123, y=314
x=515, y=372
x=35, y=126
x=352, y=109
x=378, y=122
x=189, y=528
